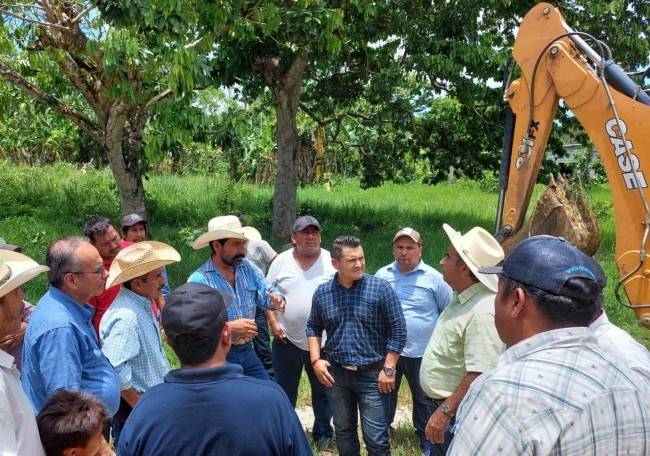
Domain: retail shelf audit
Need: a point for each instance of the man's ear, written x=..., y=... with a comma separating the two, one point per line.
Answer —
x=225, y=334
x=518, y=303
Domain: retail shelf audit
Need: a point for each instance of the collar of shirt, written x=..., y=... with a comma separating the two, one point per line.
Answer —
x=209, y=374
x=137, y=299
x=601, y=325
x=83, y=313
x=6, y=360
x=554, y=339
x=356, y=283
x=394, y=268
x=468, y=293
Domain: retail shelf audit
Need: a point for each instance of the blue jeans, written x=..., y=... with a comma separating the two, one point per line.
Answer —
x=440, y=449
x=354, y=389
x=289, y=360
x=262, y=342
x=422, y=410
x=245, y=356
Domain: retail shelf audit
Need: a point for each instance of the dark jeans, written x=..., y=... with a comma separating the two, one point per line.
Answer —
x=244, y=355
x=440, y=449
x=262, y=342
x=422, y=410
x=356, y=393
x=289, y=361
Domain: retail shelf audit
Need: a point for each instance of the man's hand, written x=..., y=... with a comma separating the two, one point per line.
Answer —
x=105, y=449
x=436, y=426
x=277, y=302
x=244, y=327
x=11, y=340
x=385, y=383
x=323, y=373
x=278, y=332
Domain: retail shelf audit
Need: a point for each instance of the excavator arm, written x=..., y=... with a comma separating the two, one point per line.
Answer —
x=557, y=64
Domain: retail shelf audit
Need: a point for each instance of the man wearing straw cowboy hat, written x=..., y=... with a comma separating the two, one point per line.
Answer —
x=12, y=343
x=465, y=342
x=18, y=430
x=228, y=270
x=129, y=331
x=61, y=349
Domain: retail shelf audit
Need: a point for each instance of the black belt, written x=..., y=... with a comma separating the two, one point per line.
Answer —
x=372, y=366
x=437, y=402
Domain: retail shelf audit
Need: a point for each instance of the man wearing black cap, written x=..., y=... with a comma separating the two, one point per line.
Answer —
x=297, y=273
x=208, y=406
x=554, y=391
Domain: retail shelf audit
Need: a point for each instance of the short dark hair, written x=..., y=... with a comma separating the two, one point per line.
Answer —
x=97, y=226
x=220, y=241
x=193, y=349
x=125, y=229
x=460, y=262
x=69, y=419
x=343, y=241
x=576, y=308
x=61, y=258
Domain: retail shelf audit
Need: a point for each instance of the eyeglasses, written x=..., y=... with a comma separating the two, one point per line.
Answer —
x=98, y=271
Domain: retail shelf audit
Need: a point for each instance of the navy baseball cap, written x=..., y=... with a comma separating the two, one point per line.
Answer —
x=305, y=222
x=547, y=263
x=194, y=314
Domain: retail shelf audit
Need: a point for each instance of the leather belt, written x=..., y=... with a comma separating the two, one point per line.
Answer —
x=240, y=340
x=437, y=402
x=376, y=365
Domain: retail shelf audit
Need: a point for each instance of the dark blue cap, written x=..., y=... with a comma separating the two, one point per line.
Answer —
x=547, y=263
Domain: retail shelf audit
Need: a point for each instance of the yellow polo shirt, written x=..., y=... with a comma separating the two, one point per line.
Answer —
x=464, y=340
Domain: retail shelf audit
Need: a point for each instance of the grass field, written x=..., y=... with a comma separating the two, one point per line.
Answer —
x=40, y=205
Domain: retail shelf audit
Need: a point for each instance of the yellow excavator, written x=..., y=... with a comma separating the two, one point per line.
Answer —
x=560, y=64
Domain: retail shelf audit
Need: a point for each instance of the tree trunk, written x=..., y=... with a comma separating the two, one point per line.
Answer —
x=128, y=176
x=286, y=93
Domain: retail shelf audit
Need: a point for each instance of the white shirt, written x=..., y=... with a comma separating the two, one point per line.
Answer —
x=621, y=346
x=298, y=287
x=18, y=430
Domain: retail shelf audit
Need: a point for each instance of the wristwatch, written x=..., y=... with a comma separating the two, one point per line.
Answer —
x=390, y=371
x=445, y=410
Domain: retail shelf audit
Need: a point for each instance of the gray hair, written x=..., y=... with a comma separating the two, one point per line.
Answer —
x=62, y=258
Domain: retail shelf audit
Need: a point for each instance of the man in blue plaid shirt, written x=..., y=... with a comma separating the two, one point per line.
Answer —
x=366, y=333
x=227, y=270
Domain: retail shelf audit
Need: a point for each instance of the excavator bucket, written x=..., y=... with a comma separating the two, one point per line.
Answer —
x=561, y=210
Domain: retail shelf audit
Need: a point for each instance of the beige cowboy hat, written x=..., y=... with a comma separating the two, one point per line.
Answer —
x=478, y=249
x=139, y=259
x=226, y=227
x=17, y=269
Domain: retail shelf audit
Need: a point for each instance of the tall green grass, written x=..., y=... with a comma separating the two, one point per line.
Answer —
x=40, y=205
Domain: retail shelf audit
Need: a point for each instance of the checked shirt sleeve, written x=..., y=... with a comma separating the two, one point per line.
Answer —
x=394, y=319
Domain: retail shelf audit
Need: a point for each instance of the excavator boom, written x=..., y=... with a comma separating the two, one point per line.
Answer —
x=557, y=64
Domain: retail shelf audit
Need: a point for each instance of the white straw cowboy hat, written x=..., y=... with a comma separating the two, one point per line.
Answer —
x=226, y=227
x=17, y=269
x=478, y=249
x=139, y=259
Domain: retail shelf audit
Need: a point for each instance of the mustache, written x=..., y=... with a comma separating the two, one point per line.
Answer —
x=239, y=256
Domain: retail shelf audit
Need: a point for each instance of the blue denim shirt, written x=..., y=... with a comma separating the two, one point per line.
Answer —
x=249, y=292
x=363, y=322
x=61, y=351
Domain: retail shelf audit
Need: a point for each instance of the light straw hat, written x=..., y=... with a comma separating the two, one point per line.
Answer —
x=226, y=227
x=478, y=249
x=139, y=259
x=17, y=269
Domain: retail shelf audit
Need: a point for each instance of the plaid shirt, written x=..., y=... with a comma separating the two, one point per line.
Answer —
x=555, y=393
x=250, y=287
x=130, y=338
x=363, y=322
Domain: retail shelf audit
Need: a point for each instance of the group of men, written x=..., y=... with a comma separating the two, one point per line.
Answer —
x=511, y=359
